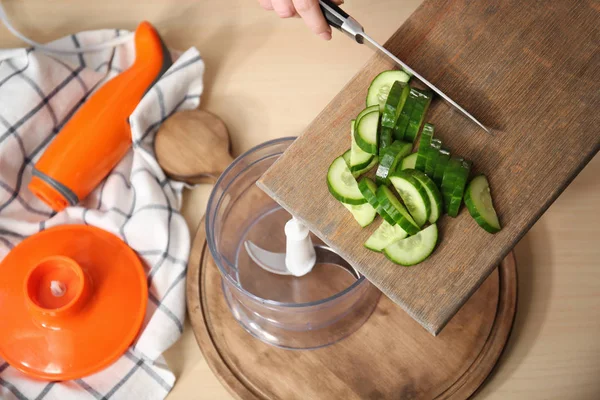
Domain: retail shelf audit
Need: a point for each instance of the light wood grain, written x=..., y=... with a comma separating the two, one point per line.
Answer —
x=450, y=366
x=193, y=146
x=506, y=64
x=553, y=352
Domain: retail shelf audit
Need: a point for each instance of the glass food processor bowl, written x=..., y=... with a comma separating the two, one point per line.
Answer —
x=315, y=310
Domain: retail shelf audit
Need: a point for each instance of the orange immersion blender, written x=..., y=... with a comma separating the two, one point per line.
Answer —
x=98, y=136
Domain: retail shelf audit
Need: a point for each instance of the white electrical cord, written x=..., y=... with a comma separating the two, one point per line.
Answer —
x=49, y=49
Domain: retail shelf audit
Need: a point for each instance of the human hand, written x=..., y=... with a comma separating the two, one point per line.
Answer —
x=308, y=10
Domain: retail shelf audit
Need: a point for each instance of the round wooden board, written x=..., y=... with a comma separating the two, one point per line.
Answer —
x=390, y=356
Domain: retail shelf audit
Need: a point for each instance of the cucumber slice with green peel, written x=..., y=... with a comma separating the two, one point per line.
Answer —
x=459, y=189
x=478, y=200
x=424, y=146
x=385, y=138
x=408, y=162
x=449, y=180
x=368, y=188
x=413, y=195
x=404, y=149
x=359, y=159
x=434, y=194
x=433, y=155
x=385, y=235
x=389, y=159
x=418, y=114
x=366, y=111
x=364, y=214
x=405, y=113
x=440, y=167
x=381, y=85
x=392, y=206
x=366, y=169
x=413, y=249
x=453, y=184
x=356, y=174
x=366, y=132
x=342, y=184
x=394, y=103
x=346, y=157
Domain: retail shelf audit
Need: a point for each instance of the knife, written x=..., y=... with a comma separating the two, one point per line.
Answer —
x=339, y=19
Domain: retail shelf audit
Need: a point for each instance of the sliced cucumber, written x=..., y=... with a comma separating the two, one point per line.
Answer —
x=366, y=169
x=369, y=191
x=342, y=184
x=390, y=158
x=448, y=182
x=433, y=155
x=413, y=249
x=346, y=157
x=366, y=111
x=478, y=200
x=381, y=85
x=413, y=195
x=409, y=162
x=359, y=159
x=440, y=167
x=385, y=138
x=385, y=235
x=435, y=197
x=424, y=146
x=459, y=189
x=358, y=173
x=364, y=214
x=366, y=134
x=394, y=103
x=418, y=114
x=404, y=117
x=396, y=210
x=453, y=184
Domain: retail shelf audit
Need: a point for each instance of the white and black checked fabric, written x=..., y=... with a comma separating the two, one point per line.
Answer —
x=38, y=95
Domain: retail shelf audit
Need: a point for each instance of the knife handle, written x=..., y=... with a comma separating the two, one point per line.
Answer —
x=334, y=15
x=339, y=19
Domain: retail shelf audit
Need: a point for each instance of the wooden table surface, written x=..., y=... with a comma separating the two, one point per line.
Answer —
x=269, y=78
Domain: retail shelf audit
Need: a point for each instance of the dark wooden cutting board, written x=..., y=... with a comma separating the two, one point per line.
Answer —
x=529, y=70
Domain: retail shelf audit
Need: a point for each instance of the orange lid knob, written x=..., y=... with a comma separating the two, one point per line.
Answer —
x=55, y=289
x=98, y=136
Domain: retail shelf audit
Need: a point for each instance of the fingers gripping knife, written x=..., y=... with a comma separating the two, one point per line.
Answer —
x=98, y=136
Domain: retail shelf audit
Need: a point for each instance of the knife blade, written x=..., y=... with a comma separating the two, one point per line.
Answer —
x=339, y=19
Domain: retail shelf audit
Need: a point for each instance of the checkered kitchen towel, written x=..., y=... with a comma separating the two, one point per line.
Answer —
x=38, y=95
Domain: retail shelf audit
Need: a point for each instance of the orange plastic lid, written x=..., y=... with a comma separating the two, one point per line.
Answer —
x=72, y=301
